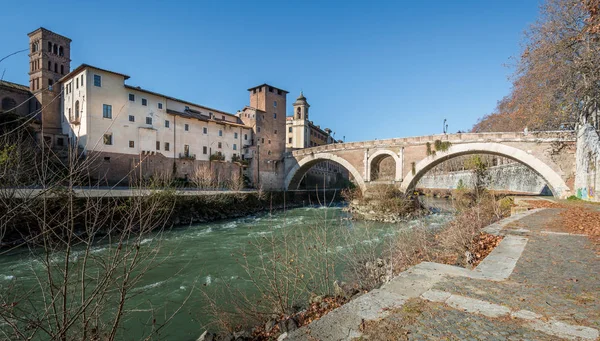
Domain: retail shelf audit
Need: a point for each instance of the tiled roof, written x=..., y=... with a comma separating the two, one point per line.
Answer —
x=190, y=113
x=15, y=86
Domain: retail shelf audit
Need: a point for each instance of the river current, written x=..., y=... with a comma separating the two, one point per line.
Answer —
x=205, y=257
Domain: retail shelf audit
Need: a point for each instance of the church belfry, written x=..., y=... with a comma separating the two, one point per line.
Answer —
x=301, y=108
x=49, y=61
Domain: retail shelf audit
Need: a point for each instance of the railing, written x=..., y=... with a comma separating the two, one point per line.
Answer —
x=563, y=135
x=187, y=156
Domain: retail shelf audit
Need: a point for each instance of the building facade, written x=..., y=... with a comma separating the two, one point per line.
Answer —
x=131, y=132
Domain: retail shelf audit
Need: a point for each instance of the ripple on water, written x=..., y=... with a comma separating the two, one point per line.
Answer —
x=7, y=277
x=150, y=286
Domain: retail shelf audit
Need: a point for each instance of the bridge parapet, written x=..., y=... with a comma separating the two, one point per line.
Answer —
x=536, y=136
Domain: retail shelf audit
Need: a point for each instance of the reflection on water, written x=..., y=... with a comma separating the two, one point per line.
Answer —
x=204, y=255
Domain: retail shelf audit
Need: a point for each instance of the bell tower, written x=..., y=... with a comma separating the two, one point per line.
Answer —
x=49, y=61
x=301, y=108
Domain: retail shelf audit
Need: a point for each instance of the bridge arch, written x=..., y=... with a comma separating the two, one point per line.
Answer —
x=378, y=156
x=555, y=182
x=294, y=175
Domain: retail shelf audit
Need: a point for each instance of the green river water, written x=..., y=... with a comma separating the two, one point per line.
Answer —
x=204, y=256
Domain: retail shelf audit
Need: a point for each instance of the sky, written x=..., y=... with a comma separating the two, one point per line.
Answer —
x=369, y=69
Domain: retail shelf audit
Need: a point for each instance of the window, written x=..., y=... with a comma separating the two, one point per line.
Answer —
x=223, y=117
x=167, y=146
x=167, y=123
x=274, y=104
x=275, y=115
x=270, y=89
x=234, y=146
x=60, y=142
x=148, y=120
x=81, y=80
x=97, y=80
x=262, y=140
x=246, y=137
x=76, y=83
x=205, y=130
x=269, y=141
x=131, y=144
x=49, y=65
x=55, y=67
x=186, y=127
x=106, y=111
x=49, y=47
x=131, y=118
x=55, y=49
x=290, y=140
x=50, y=83
x=61, y=51
x=132, y=97
x=107, y=158
x=144, y=102
x=204, y=150
x=258, y=129
x=219, y=145
x=187, y=108
x=8, y=103
x=269, y=152
x=157, y=145
x=159, y=105
x=62, y=69
x=108, y=139
x=186, y=150
x=235, y=135
x=275, y=132
x=290, y=129
x=76, y=110
x=220, y=132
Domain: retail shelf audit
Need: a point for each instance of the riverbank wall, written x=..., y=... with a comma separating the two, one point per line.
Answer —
x=199, y=209
x=511, y=178
x=24, y=219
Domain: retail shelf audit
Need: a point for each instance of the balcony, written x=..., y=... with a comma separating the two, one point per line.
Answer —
x=187, y=156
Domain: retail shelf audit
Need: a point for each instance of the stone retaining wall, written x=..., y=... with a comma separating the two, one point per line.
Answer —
x=514, y=178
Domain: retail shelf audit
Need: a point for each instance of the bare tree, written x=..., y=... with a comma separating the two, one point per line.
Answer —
x=557, y=79
x=88, y=250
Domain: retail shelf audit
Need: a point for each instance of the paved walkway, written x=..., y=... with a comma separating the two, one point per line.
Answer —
x=540, y=283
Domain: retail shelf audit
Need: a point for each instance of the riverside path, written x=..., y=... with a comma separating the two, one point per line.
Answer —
x=540, y=283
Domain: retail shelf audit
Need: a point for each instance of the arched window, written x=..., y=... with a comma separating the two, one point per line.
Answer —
x=8, y=103
x=76, y=110
x=49, y=47
x=55, y=67
x=70, y=115
x=299, y=114
x=34, y=47
x=50, y=65
x=62, y=69
x=55, y=49
x=60, y=51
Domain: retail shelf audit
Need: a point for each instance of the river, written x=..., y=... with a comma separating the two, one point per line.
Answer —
x=209, y=257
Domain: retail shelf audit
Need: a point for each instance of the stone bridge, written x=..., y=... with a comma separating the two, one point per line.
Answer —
x=550, y=154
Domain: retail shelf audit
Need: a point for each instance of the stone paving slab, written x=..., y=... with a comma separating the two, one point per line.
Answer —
x=557, y=276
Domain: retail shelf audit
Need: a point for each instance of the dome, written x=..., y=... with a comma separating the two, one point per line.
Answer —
x=301, y=100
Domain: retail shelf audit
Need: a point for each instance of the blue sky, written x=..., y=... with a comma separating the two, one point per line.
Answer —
x=369, y=69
